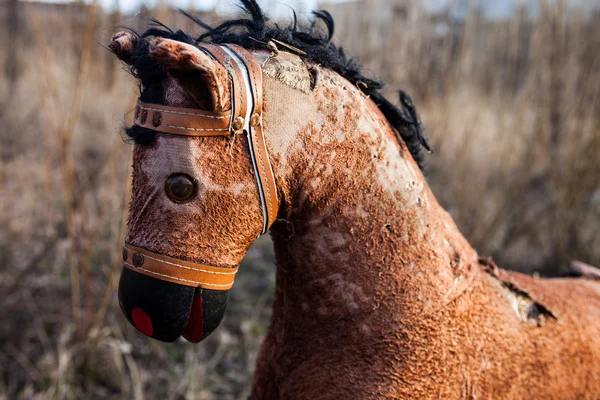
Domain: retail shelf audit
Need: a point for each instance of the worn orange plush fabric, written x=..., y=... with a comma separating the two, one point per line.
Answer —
x=378, y=296
x=378, y=293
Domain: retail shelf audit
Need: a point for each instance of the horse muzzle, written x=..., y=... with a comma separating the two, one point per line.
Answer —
x=165, y=298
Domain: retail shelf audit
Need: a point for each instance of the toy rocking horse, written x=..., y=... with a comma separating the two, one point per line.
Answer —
x=254, y=128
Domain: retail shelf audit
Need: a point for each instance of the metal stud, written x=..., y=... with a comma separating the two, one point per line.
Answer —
x=238, y=123
x=138, y=260
x=125, y=255
x=156, y=119
x=144, y=117
x=255, y=120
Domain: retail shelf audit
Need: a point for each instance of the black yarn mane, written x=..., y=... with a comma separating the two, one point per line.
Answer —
x=254, y=33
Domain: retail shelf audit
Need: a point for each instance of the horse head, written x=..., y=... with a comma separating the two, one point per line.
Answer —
x=203, y=189
x=225, y=136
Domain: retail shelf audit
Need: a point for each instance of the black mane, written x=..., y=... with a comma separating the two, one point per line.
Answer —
x=254, y=32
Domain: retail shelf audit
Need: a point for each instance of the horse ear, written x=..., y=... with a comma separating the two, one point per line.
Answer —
x=122, y=45
x=203, y=78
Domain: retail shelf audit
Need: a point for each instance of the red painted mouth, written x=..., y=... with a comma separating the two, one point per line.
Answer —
x=194, y=331
x=166, y=311
x=142, y=321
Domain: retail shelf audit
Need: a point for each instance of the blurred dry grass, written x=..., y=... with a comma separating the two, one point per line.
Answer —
x=511, y=107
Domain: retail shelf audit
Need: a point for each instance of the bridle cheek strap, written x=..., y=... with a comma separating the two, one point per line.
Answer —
x=245, y=117
x=250, y=71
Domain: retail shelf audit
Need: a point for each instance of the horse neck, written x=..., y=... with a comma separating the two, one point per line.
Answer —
x=361, y=239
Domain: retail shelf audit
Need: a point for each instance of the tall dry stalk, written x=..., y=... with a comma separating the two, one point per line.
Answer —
x=111, y=286
x=11, y=60
x=68, y=165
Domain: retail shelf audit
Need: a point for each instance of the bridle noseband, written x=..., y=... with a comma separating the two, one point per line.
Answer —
x=245, y=117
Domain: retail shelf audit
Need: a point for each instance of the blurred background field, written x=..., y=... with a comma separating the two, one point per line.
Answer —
x=510, y=98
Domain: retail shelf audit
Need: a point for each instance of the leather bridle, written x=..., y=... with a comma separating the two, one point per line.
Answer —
x=244, y=117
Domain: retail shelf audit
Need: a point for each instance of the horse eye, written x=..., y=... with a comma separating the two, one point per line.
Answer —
x=180, y=187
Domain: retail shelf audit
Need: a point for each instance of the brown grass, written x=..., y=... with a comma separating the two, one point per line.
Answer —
x=511, y=108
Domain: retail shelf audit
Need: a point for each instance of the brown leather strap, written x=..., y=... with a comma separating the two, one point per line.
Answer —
x=177, y=271
x=252, y=120
x=182, y=121
x=259, y=146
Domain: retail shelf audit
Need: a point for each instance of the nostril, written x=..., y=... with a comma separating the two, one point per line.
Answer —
x=142, y=321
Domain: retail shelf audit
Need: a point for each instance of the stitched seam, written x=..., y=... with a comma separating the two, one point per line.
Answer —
x=183, y=113
x=183, y=266
x=195, y=129
x=262, y=164
x=178, y=279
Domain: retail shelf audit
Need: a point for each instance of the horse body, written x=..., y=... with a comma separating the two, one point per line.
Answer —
x=379, y=295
